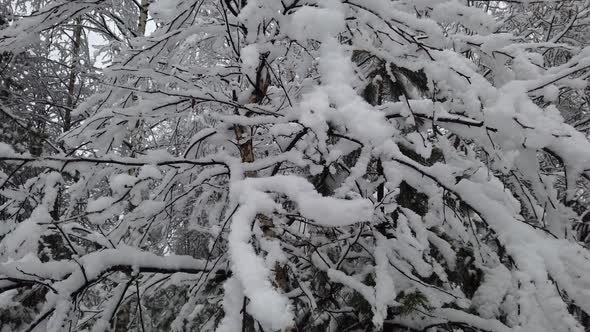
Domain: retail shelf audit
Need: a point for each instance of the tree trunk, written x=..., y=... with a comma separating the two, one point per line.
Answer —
x=245, y=143
x=143, y=16
x=74, y=68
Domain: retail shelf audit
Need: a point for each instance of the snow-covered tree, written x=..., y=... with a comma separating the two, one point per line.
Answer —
x=334, y=165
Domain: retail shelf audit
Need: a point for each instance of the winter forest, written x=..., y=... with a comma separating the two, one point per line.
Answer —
x=294, y=165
